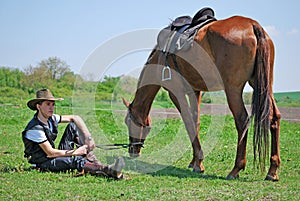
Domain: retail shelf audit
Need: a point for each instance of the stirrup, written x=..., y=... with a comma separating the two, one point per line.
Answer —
x=166, y=73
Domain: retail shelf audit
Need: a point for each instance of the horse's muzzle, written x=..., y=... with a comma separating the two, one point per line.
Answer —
x=134, y=149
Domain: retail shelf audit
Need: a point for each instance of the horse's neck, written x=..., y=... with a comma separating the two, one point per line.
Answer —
x=145, y=94
x=143, y=100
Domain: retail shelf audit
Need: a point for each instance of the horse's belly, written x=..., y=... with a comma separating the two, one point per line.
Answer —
x=207, y=83
x=202, y=74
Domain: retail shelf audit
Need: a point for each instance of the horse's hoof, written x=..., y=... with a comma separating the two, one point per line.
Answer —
x=132, y=155
x=198, y=170
x=230, y=177
x=271, y=178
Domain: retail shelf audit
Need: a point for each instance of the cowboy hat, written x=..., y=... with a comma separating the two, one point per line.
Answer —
x=41, y=95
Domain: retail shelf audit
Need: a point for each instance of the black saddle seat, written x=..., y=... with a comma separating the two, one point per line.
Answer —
x=180, y=33
x=201, y=16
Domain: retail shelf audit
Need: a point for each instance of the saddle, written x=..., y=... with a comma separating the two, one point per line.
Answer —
x=180, y=34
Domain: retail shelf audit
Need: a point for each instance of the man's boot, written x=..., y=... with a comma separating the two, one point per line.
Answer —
x=111, y=171
x=91, y=157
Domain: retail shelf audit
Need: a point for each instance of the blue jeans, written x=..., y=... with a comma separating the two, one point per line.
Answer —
x=66, y=163
x=61, y=164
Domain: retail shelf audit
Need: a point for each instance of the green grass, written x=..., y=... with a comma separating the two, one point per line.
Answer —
x=288, y=99
x=292, y=95
x=168, y=180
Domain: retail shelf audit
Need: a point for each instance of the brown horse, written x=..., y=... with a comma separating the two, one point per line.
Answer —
x=225, y=55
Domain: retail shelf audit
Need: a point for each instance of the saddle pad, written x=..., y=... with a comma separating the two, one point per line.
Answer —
x=180, y=33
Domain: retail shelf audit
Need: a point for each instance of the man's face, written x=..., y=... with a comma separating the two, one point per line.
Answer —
x=46, y=108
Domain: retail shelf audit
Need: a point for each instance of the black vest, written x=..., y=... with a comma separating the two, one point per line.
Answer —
x=33, y=152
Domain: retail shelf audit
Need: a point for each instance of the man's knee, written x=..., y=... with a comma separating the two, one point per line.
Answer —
x=72, y=129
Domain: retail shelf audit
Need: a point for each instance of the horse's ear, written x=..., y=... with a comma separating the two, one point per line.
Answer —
x=126, y=103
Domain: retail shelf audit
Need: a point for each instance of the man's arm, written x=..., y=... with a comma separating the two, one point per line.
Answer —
x=53, y=153
x=83, y=130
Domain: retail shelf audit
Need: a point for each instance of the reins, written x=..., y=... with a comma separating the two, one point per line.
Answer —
x=119, y=146
x=114, y=146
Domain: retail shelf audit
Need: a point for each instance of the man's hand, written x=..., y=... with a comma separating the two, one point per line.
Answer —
x=80, y=151
x=89, y=141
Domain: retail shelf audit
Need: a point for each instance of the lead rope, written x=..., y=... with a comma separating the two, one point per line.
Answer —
x=112, y=146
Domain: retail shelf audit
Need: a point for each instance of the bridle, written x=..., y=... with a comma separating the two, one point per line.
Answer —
x=134, y=120
x=138, y=124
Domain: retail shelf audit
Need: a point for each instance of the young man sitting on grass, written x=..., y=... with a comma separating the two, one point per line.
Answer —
x=41, y=132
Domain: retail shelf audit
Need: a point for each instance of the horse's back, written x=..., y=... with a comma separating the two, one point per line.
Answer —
x=234, y=32
x=231, y=44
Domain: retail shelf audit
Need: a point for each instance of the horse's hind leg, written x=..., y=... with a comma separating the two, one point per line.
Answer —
x=237, y=107
x=275, y=117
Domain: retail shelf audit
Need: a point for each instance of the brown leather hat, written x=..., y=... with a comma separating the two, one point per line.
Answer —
x=41, y=95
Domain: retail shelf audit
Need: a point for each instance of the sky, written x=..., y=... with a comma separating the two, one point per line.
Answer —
x=81, y=32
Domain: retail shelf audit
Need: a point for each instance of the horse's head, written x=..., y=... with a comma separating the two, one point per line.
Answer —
x=138, y=132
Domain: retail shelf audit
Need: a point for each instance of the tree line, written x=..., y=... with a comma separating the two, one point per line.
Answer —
x=52, y=73
x=56, y=74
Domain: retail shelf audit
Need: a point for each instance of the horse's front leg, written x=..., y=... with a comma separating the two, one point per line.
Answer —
x=194, y=109
x=198, y=157
x=196, y=117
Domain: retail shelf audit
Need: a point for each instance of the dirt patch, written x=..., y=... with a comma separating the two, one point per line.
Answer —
x=291, y=114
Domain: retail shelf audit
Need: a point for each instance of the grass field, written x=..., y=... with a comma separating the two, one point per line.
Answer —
x=161, y=175
x=288, y=99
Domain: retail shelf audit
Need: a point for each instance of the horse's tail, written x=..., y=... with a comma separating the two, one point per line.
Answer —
x=261, y=97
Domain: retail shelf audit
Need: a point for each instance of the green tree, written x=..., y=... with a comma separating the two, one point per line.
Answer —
x=56, y=67
x=11, y=77
x=36, y=78
x=48, y=74
x=162, y=96
x=66, y=81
